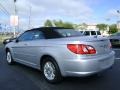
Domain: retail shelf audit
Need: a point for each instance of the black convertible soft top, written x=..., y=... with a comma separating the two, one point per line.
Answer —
x=50, y=28
x=55, y=32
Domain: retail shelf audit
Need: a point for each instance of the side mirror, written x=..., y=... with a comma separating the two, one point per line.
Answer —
x=16, y=40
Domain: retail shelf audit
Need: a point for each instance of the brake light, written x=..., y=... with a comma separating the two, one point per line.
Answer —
x=81, y=49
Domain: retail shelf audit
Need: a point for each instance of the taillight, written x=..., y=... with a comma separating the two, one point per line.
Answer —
x=81, y=49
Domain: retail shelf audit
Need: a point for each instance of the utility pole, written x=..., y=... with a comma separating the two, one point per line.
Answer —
x=118, y=22
x=14, y=33
x=29, y=23
x=108, y=28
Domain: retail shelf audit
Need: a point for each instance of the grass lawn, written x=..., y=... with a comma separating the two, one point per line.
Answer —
x=1, y=44
x=2, y=37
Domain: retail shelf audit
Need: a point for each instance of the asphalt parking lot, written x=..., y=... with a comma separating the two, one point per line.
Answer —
x=20, y=77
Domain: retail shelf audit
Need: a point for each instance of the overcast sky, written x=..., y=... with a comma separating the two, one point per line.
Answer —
x=75, y=11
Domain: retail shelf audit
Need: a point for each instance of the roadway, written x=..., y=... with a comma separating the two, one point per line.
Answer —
x=20, y=77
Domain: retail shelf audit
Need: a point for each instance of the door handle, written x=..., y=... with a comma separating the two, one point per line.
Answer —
x=25, y=44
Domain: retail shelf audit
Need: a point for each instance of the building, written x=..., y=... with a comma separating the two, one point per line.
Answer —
x=87, y=27
x=92, y=27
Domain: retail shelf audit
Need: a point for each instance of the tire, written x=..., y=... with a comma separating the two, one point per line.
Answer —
x=9, y=58
x=51, y=70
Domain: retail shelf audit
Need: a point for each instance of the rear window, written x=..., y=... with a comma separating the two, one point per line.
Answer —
x=69, y=32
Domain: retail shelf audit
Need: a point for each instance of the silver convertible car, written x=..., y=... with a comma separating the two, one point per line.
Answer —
x=60, y=52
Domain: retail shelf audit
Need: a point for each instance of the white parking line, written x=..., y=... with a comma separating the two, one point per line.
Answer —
x=117, y=58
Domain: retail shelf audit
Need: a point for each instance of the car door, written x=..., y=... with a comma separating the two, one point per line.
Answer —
x=20, y=46
x=26, y=49
x=34, y=47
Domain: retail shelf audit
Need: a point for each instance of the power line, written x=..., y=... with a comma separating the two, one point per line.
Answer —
x=4, y=10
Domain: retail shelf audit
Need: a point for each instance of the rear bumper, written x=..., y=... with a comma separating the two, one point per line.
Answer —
x=87, y=66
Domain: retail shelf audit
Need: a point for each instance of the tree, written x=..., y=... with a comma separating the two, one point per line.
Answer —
x=113, y=28
x=68, y=25
x=48, y=23
x=83, y=26
x=59, y=23
x=102, y=26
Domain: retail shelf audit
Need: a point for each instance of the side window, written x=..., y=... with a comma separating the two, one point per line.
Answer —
x=98, y=33
x=38, y=35
x=87, y=33
x=27, y=36
x=93, y=33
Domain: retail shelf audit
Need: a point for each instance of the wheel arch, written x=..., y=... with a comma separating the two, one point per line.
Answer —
x=7, y=49
x=58, y=70
x=42, y=59
x=54, y=60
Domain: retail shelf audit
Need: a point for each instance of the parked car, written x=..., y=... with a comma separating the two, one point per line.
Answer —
x=8, y=40
x=90, y=32
x=115, y=39
x=60, y=52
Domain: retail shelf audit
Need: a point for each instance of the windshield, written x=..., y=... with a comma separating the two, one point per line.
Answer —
x=69, y=32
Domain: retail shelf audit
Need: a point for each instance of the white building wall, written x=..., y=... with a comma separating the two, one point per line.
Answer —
x=92, y=27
